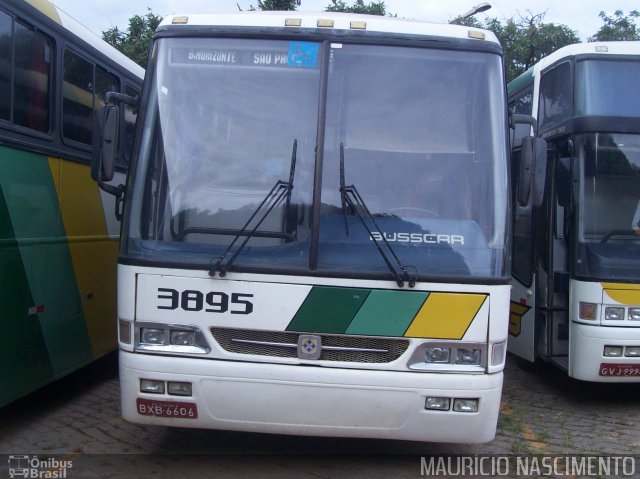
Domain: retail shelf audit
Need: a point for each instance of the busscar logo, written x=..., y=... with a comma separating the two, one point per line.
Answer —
x=424, y=238
x=36, y=468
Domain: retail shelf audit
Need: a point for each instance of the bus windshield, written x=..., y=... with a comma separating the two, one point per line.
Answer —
x=608, y=88
x=609, y=202
x=420, y=132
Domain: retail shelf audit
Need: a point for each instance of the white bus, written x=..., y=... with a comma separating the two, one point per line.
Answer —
x=576, y=258
x=315, y=237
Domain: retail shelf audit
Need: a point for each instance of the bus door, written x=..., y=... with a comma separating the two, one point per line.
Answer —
x=522, y=330
x=552, y=301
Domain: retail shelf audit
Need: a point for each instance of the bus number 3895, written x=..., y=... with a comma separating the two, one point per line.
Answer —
x=211, y=302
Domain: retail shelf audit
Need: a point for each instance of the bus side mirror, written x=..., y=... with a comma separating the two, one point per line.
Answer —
x=533, y=168
x=106, y=148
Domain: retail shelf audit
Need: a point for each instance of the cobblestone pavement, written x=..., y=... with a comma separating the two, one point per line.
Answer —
x=78, y=417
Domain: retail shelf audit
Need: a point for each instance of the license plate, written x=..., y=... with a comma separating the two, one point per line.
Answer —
x=153, y=407
x=611, y=369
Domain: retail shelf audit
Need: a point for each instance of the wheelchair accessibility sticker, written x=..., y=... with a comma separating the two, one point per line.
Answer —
x=303, y=54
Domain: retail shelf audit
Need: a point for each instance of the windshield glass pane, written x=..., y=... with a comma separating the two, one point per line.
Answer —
x=228, y=120
x=608, y=88
x=422, y=136
x=230, y=116
x=609, y=205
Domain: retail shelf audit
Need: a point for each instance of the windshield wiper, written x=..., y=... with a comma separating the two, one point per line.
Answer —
x=279, y=191
x=350, y=198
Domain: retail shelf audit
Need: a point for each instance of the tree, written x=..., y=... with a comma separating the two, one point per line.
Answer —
x=135, y=42
x=525, y=41
x=278, y=5
x=372, y=8
x=619, y=27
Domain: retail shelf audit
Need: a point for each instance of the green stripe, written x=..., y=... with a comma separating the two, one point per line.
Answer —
x=387, y=313
x=33, y=206
x=24, y=361
x=328, y=310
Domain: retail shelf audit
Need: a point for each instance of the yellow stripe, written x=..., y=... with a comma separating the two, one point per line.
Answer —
x=630, y=286
x=445, y=315
x=93, y=253
x=624, y=296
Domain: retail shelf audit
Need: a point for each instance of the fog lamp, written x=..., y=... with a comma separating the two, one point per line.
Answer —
x=437, y=355
x=183, y=338
x=634, y=314
x=587, y=311
x=614, y=314
x=151, y=386
x=465, y=405
x=438, y=404
x=179, y=389
x=613, y=351
x=467, y=356
x=152, y=336
x=632, y=351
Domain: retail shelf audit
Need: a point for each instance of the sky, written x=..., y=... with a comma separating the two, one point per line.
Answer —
x=579, y=15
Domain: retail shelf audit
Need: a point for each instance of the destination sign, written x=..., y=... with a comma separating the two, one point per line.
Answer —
x=294, y=54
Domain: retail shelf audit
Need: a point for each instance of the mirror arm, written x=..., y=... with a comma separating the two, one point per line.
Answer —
x=112, y=97
x=518, y=118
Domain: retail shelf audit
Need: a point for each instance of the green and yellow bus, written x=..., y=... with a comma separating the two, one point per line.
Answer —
x=58, y=231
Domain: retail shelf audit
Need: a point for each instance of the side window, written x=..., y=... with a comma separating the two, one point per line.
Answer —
x=105, y=82
x=25, y=71
x=77, y=98
x=556, y=97
x=130, y=115
x=5, y=66
x=522, y=104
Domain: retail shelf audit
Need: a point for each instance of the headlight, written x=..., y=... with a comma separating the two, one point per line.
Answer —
x=613, y=314
x=170, y=339
x=634, y=314
x=437, y=355
x=467, y=356
x=443, y=356
x=152, y=336
x=183, y=338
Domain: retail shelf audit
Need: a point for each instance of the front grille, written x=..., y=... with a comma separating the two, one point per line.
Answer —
x=353, y=349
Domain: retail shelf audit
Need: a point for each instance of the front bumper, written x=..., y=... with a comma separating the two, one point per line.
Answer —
x=315, y=401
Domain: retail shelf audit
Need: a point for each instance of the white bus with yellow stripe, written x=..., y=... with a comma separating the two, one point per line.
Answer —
x=576, y=258
x=316, y=229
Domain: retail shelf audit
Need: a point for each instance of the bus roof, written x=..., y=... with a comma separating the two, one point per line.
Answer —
x=593, y=48
x=341, y=21
x=65, y=20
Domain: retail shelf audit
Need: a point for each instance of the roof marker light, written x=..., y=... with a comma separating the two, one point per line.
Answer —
x=325, y=23
x=476, y=35
x=357, y=25
x=180, y=20
x=293, y=22
x=602, y=48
